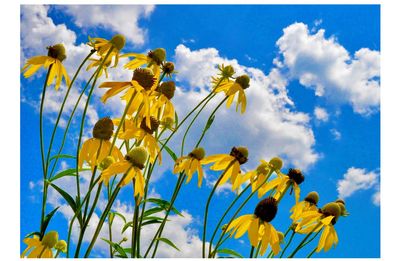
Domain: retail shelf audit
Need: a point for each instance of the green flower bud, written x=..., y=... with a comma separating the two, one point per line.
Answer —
x=103, y=129
x=118, y=41
x=276, y=162
x=312, y=197
x=157, y=55
x=57, y=51
x=263, y=168
x=50, y=239
x=137, y=156
x=243, y=81
x=61, y=246
x=332, y=209
x=106, y=162
x=198, y=153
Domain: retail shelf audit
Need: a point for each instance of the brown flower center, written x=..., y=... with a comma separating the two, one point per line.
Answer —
x=240, y=154
x=266, y=209
x=144, y=77
x=154, y=123
x=296, y=176
x=103, y=129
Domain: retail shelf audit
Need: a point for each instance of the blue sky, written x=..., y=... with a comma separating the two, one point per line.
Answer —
x=314, y=102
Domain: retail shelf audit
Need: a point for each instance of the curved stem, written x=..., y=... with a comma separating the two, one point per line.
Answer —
x=62, y=107
x=302, y=242
x=287, y=244
x=45, y=185
x=312, y=252
x=83, y=122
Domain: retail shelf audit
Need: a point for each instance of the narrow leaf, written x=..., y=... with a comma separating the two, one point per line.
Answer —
x=64, y=156
x=46, y=221
x=229, y=252
x=66, y=196
x=164, y=204
x=168, y=242
x=117, y=247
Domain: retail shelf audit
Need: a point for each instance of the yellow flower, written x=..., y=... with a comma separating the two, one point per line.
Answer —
x=96, y=149
x=54, y=58
x=132, y=166
x=190, y=164
x=97, y=62
x=152, y=59
x=230, y=164
x=225, y=73
x=314, y=221
x=308, y=204
x=143, y=134
x=260, y=175
x=103, y=46
x=40, y=248
x=282, y=182
x=230, y=88
x=258, y=226
x=162, y=107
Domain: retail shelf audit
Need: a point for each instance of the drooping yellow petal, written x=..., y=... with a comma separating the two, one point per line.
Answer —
x=253, y=232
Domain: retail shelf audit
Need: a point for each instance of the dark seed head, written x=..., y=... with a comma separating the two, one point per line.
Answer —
x=243, y=81
x=266, y=209
x=57, y=51
x=103, y=129
x=168, y=68
x=168, y=89
x=154, y=123
x=240, y=153
x=332, y=209
x=145, y=77
x=198, y=153
x=157, y=55
x=296, y=176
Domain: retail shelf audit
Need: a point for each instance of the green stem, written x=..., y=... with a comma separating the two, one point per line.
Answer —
x=110, y=238
x=45, y=185
x=104, y=215
x=287, y=244
x=57, y=253
x=134, y=226
x=62, y=107
x=208, y=205
x=251, y=252
x=312, y=252
x=302, y=242
x=258, y=249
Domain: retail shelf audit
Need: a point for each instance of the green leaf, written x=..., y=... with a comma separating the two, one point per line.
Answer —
x=120, y=215
x=209, y=123
x=64, y=156
x=152, y=217
x=152, y=211
x=125, y=227
x=176, y=120
x=67, y=172
x=164, y=204
x=168, y=242
x=229, y=252
x=169, y=150
x=117, y=247
x=46, y=221
x=154, y=221
x=33, y=233
x=66, y=196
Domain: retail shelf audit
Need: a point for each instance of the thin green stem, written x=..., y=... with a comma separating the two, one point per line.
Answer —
x=251, y=252
x=302, y=242
x=104, y=215
x=312, y=252
x=45, y=185
x=62, y=107
x=134, y=226
x=287, y=244
x=110, y=237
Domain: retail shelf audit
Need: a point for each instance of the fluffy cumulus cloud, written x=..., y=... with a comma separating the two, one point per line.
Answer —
x=356, y=179
x=321, y=114
x=269, y=127
x=322, y=64
x=117, y=18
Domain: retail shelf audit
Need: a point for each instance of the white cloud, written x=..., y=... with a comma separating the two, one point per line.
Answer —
x=356, y=179
x=376, y=198
x=325, y=66
x=336, y=134
x=270, y=127
x=321, y=114
x=117, y=18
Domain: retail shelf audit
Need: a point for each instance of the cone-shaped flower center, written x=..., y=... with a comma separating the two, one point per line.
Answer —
x=157, y=55
x=276, y=163
x=137, y=157
x=103, y=129
x=106, y=162
x=240, y=154
x=198, y=153
x=145, y=77
x=168, y=89
x=266, y=209
x=154, y=123
x=263, y=168
x=296, y=176
x=118, y=41
x=57, y=51
x=312, y=197
x=168, y=68
x=332, y=209
x=243, y=81
x=50, y=239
